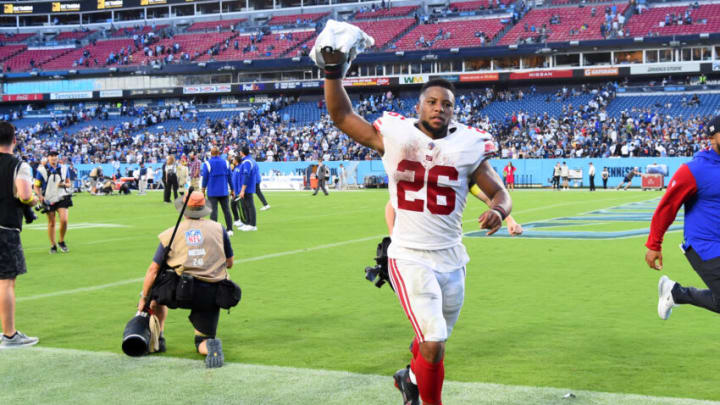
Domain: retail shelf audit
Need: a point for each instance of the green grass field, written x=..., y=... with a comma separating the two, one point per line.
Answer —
x=564, y=312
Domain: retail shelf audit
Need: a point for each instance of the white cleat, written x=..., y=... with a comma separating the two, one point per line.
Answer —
x=230, y=233
x=248, y=228
x=665, y=298
x=265, y=208
x=238, y=223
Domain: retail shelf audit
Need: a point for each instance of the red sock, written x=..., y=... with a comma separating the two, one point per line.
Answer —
x=430, y=378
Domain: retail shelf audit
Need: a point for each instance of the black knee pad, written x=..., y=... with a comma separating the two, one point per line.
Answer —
x=199, y=339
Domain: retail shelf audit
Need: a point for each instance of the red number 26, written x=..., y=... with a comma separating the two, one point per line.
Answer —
x=433, y=189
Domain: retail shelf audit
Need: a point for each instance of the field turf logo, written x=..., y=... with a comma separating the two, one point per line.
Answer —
x=623, y=221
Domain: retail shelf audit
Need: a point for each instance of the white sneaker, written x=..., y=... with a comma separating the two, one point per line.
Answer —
x=238, y=223
x=230, y=233
x=248, y=228
x=265, y=208
x=665, y=298
x=17, y=341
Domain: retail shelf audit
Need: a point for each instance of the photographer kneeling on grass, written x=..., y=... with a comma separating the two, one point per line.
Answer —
x=190, y=271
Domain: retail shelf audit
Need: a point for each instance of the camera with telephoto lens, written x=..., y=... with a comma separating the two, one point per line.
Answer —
x=378, y=274
x=43, y=207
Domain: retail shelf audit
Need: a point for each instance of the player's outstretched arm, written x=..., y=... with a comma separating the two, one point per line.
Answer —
x=334, y=50
x=342, y=114
x=500, y=203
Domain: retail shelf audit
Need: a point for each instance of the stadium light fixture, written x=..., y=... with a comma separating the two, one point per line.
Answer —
x=399, y=53
x=674, y=43
x=704, y=35
x=639, y=39
x=113, y=69
x=202, y=64
x=34, y=73
x=511, y=46
x=454, y=50
x=2, y=75
x=574, y=43
x=545, y=50
x=247, y=62
x=72, y=72
x=296, y=59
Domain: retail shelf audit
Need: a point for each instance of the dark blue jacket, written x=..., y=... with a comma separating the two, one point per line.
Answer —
x=236, y=180
x=216, y=177
x=248, y=174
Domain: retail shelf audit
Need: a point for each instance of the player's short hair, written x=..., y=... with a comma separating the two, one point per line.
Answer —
x=7, y=133
x=245, y=150
x=438, y=83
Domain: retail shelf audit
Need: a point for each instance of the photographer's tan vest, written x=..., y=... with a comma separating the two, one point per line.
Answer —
x=197, y=250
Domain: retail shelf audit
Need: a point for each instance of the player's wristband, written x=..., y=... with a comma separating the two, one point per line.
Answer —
x=500, y=211
x=333, y=72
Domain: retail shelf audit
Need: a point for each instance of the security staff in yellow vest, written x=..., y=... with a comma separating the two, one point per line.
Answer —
x=201, y=249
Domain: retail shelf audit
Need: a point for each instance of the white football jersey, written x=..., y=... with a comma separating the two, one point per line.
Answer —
x=428, y=179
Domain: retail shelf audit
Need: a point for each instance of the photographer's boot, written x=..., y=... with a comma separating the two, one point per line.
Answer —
x=215, y=357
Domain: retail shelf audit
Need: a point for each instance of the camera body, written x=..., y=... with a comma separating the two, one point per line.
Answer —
x=29, y=214
x=43, y=207
x=378, y=274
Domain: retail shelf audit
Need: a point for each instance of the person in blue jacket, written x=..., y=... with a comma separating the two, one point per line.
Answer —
x=216, y=178
x=246, y=189
x=696, y=185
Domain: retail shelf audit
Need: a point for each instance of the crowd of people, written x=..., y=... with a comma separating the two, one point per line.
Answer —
x=273, y=134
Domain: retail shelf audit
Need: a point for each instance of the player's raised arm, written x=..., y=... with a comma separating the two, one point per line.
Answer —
x=334, y=50
x=500, y=202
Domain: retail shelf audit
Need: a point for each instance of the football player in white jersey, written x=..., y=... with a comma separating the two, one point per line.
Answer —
x=430, y=162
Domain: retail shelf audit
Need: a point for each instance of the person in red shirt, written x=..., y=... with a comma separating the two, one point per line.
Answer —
x=696, y=185
x=509, y=172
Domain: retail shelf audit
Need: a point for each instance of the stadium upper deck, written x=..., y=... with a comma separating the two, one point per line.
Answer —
x=246, y=36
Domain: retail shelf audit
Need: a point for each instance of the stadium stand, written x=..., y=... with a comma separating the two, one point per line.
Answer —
x=386, y=12
x=193, y=45
x=139, y=30
x=213, y=25
x=13, y=38
x=68, y=35
x=273, y=45
x=554, y=123
x=477, y=5
x=7, y=51
x=562, y=24
x=39, y=57
x=385, y=30
x=98, y=55
x=298, y=19
x=451, y=34
x=671, y=105
x=679, y=20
